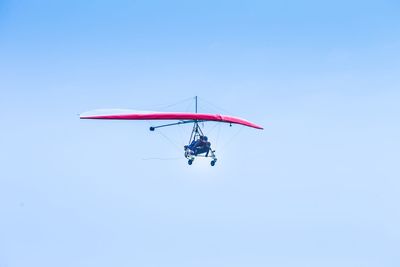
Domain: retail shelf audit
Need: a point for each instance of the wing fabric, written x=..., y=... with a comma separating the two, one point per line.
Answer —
x=152, y=115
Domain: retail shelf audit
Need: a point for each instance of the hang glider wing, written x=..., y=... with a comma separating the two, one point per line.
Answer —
x=112, y=114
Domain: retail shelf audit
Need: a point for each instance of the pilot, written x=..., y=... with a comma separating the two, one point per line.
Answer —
x=192, y=145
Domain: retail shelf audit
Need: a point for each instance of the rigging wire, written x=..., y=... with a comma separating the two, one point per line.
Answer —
x=146, y=159
x=232, y=138
x=219, y=126
x=215, y=125
x=183, y=135
x=176, y=103
x=215, y=106
x=189, y=107
x=170, y=140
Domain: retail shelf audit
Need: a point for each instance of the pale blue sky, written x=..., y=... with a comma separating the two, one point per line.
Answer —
x=318, y=187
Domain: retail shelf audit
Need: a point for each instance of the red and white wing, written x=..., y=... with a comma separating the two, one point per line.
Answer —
x=123, y=114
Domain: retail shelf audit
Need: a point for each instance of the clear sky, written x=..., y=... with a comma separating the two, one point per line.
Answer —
x=318, y=187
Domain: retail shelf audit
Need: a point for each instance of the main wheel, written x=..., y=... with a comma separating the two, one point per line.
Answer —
x=212, y=163
x=190, y=162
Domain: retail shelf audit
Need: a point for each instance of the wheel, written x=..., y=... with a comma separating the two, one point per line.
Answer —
x=190, y=162
x=212, y=163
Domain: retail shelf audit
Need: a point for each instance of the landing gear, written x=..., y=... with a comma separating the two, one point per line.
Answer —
x=199, y=146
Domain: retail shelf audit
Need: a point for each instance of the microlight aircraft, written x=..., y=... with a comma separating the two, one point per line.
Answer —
x=198, y=145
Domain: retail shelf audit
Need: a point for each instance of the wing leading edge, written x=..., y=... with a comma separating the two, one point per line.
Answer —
x=152, y=115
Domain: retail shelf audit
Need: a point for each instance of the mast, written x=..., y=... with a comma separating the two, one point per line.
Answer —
x=196, y=128
x=196, y=125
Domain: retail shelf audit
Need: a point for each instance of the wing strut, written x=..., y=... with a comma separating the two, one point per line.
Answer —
x=152, y=128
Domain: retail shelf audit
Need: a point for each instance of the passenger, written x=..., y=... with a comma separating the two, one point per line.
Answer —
x=200, y=146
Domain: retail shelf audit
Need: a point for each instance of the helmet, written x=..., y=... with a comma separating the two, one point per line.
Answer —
x=205, y=138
